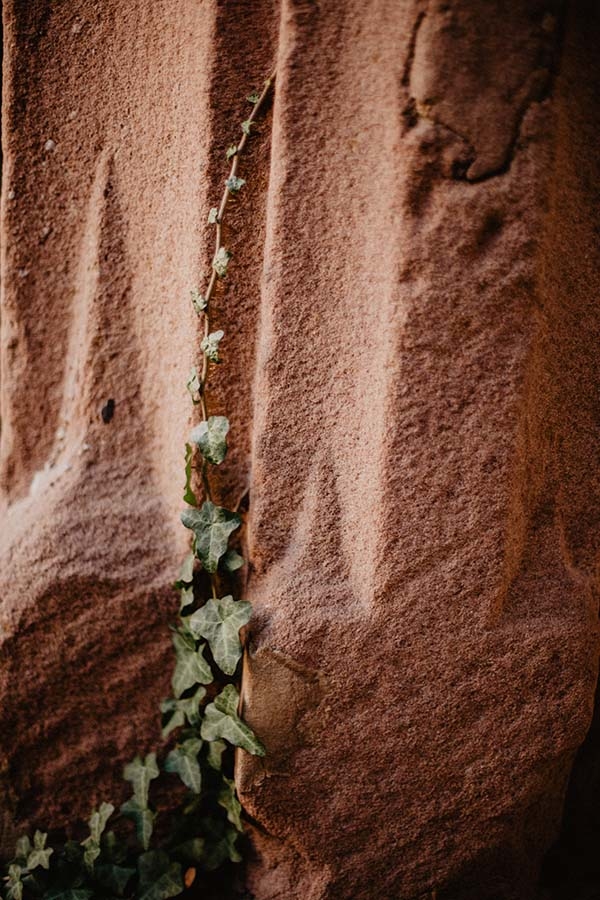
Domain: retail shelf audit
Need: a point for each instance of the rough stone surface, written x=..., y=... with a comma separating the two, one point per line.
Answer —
x=413, y=376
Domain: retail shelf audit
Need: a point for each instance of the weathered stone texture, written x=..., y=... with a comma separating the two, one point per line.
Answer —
x=413, y=374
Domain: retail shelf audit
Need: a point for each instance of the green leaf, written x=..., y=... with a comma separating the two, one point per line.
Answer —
x=69, y=894
x=143, y=818
x=221, y=261
x=253, y=98
x=212, y=526
x=91, y=854
x=223, y=848
x=214, y=754
x=140, y=773
x=39, y=855
x=72, y=853
x=198, y=301
x=193, y=384
x=183, y=636
x=191, y=667
x=113, y=877
x=191, y=851
x=186, y=573
x=114, y=849
x=189, y=496
x=14, y=890
x=234, y=184
x=176, y=712
x=211, y=438
x=231, y=151
x=232, y=561
x=186, y=598
x=228, y=800
x=213, y=216
x=97, y=824
x=99, y=820
x=176, y=720
x=222, y=721
x=159, y=878
x=219, y=622
x=183, y=760
x=210, y=345
x=168, y=885
x=246, y=126
x=23, y=848
x=14, y=885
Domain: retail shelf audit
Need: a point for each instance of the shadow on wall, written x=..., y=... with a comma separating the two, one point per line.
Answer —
x=572, y=868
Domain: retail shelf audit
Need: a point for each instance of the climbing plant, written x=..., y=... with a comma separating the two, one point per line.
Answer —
x=139, y=851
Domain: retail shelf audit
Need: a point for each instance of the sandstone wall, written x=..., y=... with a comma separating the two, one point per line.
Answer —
x=412, y=371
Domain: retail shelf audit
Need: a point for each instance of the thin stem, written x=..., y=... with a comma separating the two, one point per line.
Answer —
x=241, y=498
x=227, y=193
x=204, y=476
x=214, y=277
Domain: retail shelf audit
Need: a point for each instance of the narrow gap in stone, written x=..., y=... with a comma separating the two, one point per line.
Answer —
x=571, y=870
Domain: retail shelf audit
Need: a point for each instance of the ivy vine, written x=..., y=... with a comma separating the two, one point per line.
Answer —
x=133, y=853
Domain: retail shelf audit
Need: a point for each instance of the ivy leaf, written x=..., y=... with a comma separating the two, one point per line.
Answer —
x=211, y=438
x=39, y=855
x=114, y=877
x=140, y=774
x=114, y=849
x=234, y=184
x=192, y=850
x=143, y=818
x=186, y=598
x=214, y=754
x=177, y=711
x=232, y=561
x=99, y=820
x=23, y=849
x=228, y=800
x=183, y=638
x=222, y=848
x=253, y=98
x=72, y=854
x=186, y=573
x=183, y=760
x=198, y=301
x=231, y=151
x=193, y=384
x=14, y=885
x=176, y=719
x=189, y=496
x=159, y=878
x=212, y=526
x=219, y=622
x=221, y=261
x=14, y=890
x=222, y=721
x=168, y=885
x=151, y=865
x=191, y=667
x=97, y=824
x=91, y=854
x=213, y=216
x=210, y=345
x=69, y=894
x=246, y=126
